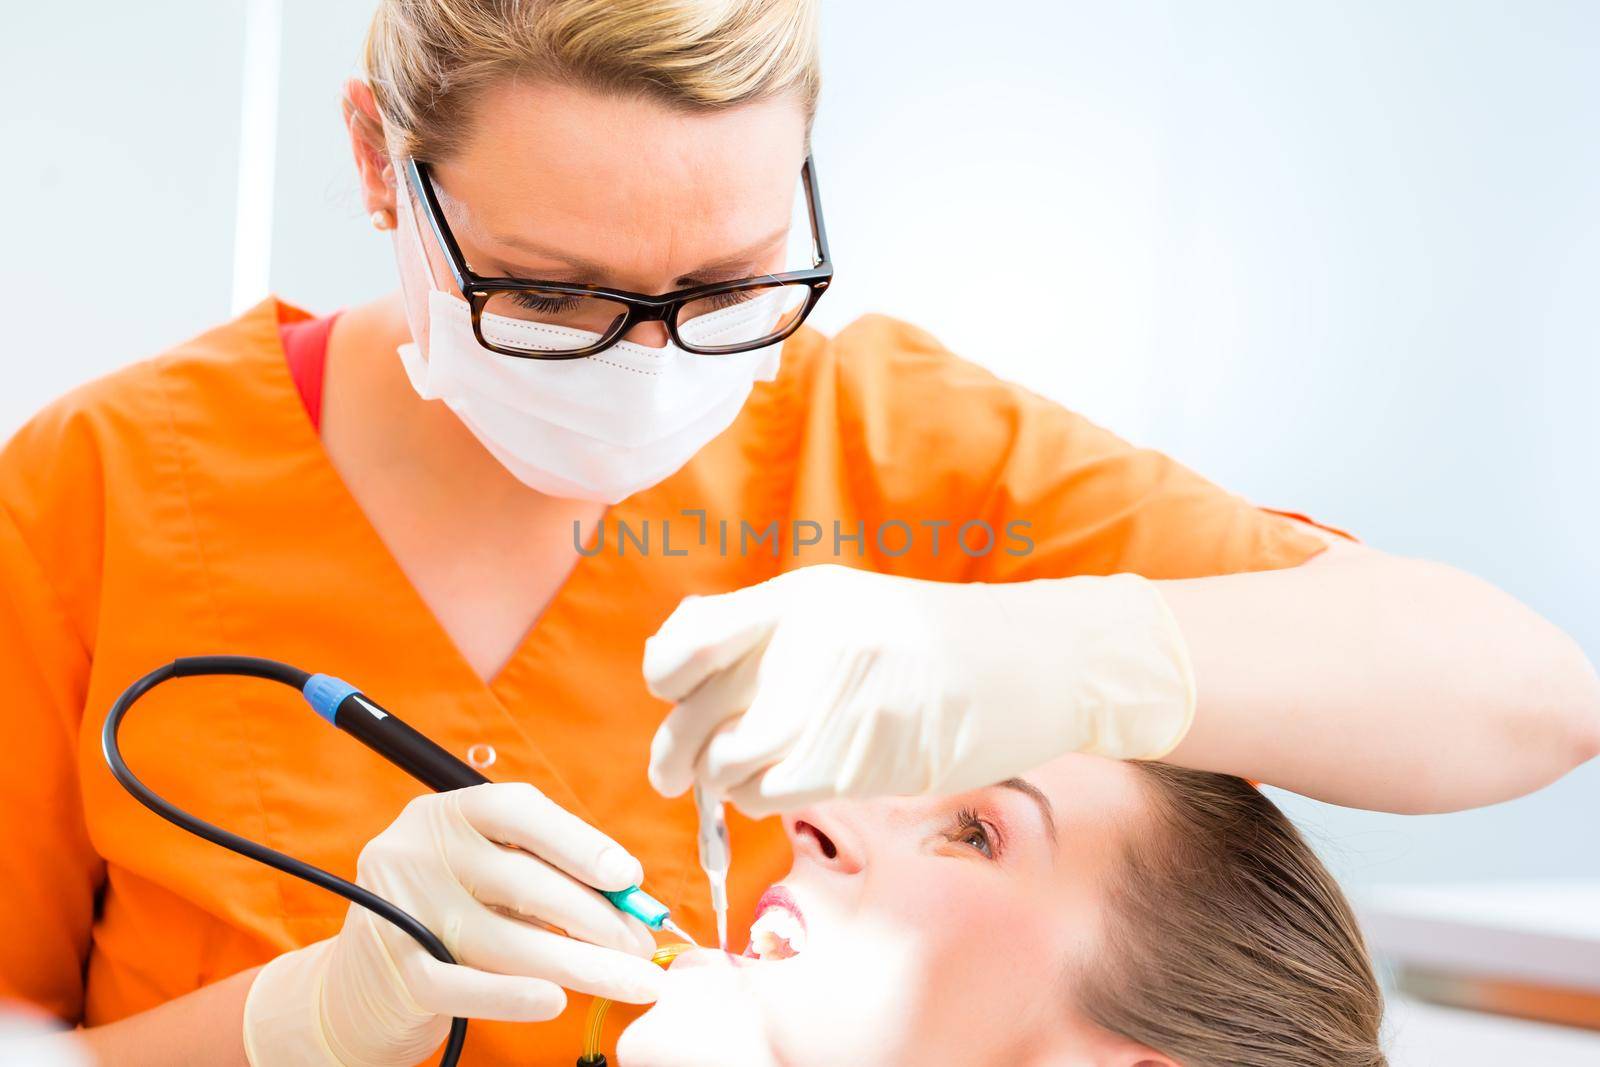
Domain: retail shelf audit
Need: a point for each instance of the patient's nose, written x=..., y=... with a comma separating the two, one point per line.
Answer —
x=824, y=836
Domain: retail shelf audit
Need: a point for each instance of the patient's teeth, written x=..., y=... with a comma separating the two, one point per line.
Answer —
x=777, y=935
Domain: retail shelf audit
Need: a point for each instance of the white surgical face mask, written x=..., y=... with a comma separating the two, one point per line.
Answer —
x=598, y=428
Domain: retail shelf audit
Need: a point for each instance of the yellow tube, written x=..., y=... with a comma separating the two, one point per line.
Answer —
x=597, y=1011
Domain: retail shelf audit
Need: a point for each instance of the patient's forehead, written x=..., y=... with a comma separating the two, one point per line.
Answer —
x=1097, y=804
x=1091, y=795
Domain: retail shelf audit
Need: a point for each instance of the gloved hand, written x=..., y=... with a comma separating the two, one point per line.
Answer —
x=481, y=868
x=828, y=681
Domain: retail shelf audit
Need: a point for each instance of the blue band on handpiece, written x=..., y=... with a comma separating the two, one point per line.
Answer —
x=325, y=693
x=641, y=905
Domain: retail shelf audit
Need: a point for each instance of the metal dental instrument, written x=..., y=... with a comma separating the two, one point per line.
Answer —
x=715, y=857
x=677, y=931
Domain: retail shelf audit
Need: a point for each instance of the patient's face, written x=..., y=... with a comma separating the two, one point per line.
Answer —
x=912, y=931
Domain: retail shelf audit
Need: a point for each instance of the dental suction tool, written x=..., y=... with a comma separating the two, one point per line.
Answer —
x=715, y=857
x=351, y=711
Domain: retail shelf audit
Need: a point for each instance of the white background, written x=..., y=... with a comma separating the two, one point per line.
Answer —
x=1342, y=258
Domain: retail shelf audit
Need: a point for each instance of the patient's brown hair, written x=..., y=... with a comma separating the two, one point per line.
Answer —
x=1226, y=942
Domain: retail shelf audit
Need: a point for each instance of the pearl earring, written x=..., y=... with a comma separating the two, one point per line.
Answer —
x=382, y=220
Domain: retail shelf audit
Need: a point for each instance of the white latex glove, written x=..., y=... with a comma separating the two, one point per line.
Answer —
x=828, y=681
x=481, y=868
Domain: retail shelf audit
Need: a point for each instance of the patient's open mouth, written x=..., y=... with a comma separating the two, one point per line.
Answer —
x=779, y=931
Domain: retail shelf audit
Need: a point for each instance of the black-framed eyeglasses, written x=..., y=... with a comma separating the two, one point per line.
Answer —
x=560, y=320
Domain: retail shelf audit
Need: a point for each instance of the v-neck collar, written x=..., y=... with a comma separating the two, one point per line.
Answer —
x=347, y=533
x=338, y=508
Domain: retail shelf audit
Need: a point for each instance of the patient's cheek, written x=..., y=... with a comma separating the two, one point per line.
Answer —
x=937, y=965
x=967, y=916
x=850, y=998
x=990, y=954
x=931, y=970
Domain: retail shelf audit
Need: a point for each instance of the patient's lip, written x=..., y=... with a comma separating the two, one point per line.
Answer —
x=779, y=897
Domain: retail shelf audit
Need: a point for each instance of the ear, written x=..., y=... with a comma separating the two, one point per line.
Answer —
x=373, y=167
x=1125, y=1053
x=1128, y=1055
x=1090, y=1046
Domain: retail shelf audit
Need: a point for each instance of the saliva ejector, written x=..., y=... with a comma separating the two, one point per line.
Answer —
x=346, y=707
x=715, y=856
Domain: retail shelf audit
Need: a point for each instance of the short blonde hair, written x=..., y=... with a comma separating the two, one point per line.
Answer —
x=426, y=60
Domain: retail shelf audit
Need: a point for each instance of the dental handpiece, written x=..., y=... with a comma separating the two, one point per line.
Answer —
x=715, y=857
x=380, y=730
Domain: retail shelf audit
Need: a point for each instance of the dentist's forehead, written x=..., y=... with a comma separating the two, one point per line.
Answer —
x=602, y=174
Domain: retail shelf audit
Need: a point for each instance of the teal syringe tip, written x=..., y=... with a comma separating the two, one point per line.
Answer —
x=641, y=905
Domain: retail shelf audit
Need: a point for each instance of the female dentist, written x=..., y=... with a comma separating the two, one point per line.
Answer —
x=445, y=495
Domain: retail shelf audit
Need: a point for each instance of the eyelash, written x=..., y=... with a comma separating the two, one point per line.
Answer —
x=553, y=304
x=729, y=299
x=536, y=302
x=968, y=822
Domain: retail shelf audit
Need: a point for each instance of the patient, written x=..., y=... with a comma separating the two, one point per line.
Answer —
x=1094, y=914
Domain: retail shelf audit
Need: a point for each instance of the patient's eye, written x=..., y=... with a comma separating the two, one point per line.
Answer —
x=975, y=833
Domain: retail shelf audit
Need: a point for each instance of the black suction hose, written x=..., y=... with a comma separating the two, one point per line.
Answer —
x=271, y=670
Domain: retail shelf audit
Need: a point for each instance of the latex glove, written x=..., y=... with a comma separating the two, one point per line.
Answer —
x=828, y=681
x=481, y=868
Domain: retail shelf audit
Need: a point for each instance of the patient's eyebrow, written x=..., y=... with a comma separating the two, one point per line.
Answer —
x=1031, y=791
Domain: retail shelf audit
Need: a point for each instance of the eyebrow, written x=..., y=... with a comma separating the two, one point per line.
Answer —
x=589, y=267
x=1031, y=791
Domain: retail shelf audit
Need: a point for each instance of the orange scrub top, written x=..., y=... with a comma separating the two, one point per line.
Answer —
x=185, y=506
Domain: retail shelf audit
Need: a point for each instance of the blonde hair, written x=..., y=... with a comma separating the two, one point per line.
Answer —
x=1228, y=944
x=427, y=60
